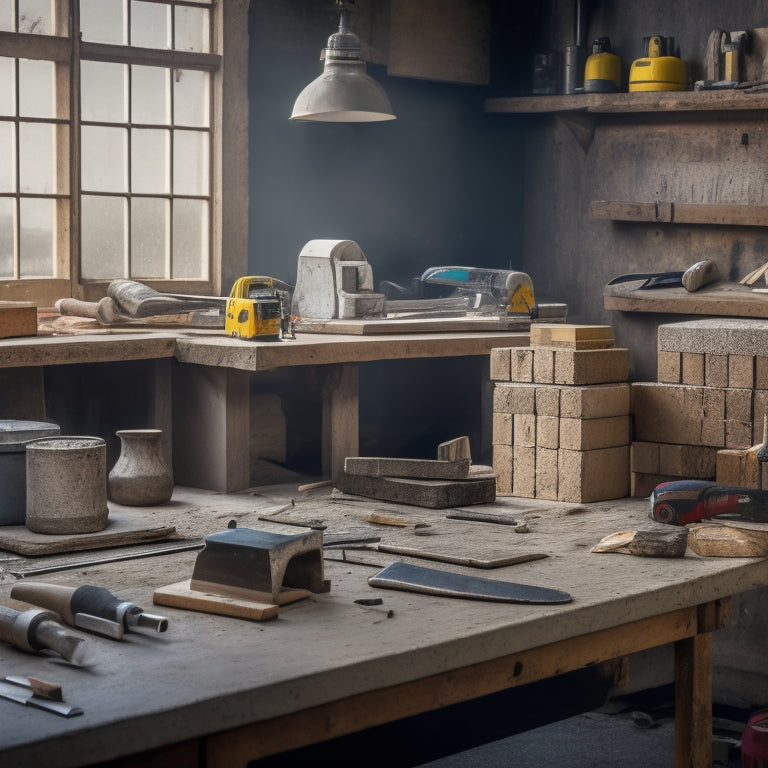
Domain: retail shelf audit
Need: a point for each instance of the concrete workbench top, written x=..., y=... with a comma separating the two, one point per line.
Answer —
x=210, y=673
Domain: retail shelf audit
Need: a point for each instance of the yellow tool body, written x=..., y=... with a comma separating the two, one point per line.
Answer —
x=255, y=307
x=656, y=71
x=602, y=70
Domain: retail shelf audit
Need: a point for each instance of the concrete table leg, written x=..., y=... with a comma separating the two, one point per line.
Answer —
x=341, y=417
x=211, y=427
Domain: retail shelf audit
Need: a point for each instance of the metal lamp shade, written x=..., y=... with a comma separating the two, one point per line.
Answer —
x=344, y=93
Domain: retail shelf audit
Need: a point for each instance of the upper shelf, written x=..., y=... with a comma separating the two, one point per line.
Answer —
x=641, y=101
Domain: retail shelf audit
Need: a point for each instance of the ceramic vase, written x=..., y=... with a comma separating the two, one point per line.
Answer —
x=140, y=477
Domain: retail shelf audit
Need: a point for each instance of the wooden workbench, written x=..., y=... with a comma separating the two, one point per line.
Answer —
x=221, y=692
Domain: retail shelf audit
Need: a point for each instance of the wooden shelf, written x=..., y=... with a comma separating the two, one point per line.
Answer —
x=680, y=213
x=718, y=299
x=612, y=103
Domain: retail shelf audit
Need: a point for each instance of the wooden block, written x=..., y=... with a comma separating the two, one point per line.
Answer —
x=693, y=369
x=715, y=370
x=713, y=432
x=669, y=367
x=454, y=450
x=547, y=401
x=644, y=457
x=667, y=413
x=687, y=461
x=427, y=469
x=547, y=433
x=713, y=403
x=730, y=466
x=738, y=404
x=181, y=595
x=642, y=485
x=524, y=430
x=543, y=365
x=502, y=429
x=729, y=538
x=514, y=398
x=501, y=369
x=586, y=476
x=524, y=475
x=741, y=371
x=761, y=372
x=503, y=466
x=589, y=434
x=759, y=411
x=18, y=318
x=435, y=494
x=738, y=434
x=546, y=473
x=521, y=364
x=595, y=402
x=593, y=366
x=571, y=336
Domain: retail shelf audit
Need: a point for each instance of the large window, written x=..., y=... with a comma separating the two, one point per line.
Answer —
x=108, y=144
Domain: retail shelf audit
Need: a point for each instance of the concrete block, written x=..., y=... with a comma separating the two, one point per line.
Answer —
x=738, y=434
x=741, y=371
x=588, y=434
x=543, y=365
x=591, y=366
x=422, y=469
x=761, y=372
x=644, y=457
x=521, y=364
x=713, y=432
x=693, y=369
x=546, y=473
x=687, y=461
x=500, y=364
x=713, y=403
x=524, y=474
x=669, y=367
x=524, y=430
x=716, y=370
x=595, y=402
x=642, y=485
x=759, y=410
x=548, y=401
x=738, y=404
x=720, y=336
x=547, y=432
x=502, y=429
x=514, y=398
x=667, y=413
x=503, y=466
x=597, y=475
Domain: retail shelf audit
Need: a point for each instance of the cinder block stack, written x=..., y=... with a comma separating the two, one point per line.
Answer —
x=561, y=424
x=707, y=406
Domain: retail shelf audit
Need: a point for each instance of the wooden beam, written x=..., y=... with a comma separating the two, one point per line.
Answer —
x=680, y=213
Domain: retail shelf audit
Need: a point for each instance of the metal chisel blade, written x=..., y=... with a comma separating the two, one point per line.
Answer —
x=14, y=693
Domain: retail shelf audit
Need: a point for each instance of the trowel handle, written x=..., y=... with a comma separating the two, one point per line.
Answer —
x=51, y=596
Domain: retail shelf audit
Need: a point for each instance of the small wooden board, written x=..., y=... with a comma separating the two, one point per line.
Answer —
x=570, y=336
x=728, y=538
x=372, y=326
x=17, y=318
x=180, y=595
x=121, y=529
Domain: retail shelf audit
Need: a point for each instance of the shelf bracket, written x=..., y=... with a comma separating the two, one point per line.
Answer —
x=581, y=126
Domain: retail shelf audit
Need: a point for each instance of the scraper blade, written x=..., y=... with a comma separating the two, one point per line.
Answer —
x=431, y=581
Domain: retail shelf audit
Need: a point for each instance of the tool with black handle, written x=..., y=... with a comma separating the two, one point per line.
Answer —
x=680, y=502
x=94, y=609
x=37, y=630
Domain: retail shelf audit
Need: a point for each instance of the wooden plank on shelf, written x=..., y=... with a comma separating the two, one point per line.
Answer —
x=382, y=325
x=680, y=213
x=719, y=299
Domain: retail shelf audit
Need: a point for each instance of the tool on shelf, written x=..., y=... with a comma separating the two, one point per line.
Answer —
x=38, y=630
x=258, y=307
x=679, y=502
x=602, y=72
x=94, y=609
x=659, y=69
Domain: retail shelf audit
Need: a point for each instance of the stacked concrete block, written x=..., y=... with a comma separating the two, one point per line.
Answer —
x=707, y=406
x=561, y=424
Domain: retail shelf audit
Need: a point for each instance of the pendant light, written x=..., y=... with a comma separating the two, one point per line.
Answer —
x=343, y=93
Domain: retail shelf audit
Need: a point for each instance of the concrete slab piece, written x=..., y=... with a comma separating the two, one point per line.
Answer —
x=428, y=469
x=716, y=336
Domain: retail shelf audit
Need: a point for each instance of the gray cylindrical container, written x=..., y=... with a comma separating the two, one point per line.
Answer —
x=14, y=434
x=67, y=485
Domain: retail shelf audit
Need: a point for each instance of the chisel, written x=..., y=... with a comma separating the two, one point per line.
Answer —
x=37, y=630
x=94, y=609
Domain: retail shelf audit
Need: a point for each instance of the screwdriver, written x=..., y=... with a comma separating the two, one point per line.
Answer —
x=37, y=630
x=91, y=608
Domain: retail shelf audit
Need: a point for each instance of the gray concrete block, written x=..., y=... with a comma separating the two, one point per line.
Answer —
x=426, y=469
x=716, y=336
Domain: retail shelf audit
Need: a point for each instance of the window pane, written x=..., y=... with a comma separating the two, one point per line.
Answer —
x=6, y=16
x=37, y=220
x=191, y=29
x=151, y=25
x=36, y=88
x=103, y=229
x=103, y=21
x=150, y=236
x=190, y=163
x=150, y=166
x=7, y=157
x=36, y=158
x=36, y=17
x=104, y=159
x=190, y=239
x=191, y=98
x=103, y=92
x=150, y=95
x=7, y=235
x=7, y=86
